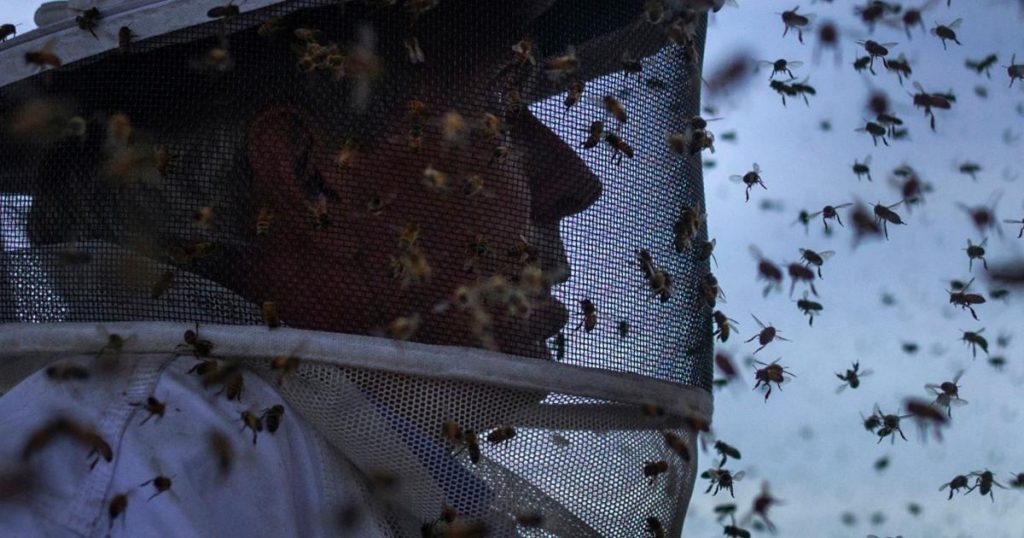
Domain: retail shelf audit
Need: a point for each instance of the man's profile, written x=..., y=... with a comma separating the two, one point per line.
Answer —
x=365, y=170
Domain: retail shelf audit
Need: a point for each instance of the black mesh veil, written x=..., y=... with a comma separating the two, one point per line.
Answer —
x=441, y=182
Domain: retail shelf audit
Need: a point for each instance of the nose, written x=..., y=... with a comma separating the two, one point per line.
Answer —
x=561, y=183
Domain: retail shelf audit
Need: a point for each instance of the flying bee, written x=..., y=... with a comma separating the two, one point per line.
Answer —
x=796, y=21
x=804, y=217
x=8, y=31
x=929, y=101
x=619, y=147
x=982, y=66
x=723, y=325
x=817, y=259
x=974, y=340
x=154, y=407
x=767, y=271
x=574, y=94
x=985, y=481
x=589, y=311
x=654, y=526
x=160, y=483
x=654, y=468
x=885, y=215
x=976, y=252
x=803, y=89
x=852, y=377
x=1017, y=481
x=876, y=50
x=117, y=505
x=958, y=482
x=563, y=65
x=286, y=364
x=596, y=130
x=726, y=366
x=830, y=212
x=726, y=451
x=963, y=299
x=947, y=393
x=501, y=434
x=45, y=57
x=89, y=20
x=766, y=335
x=809, y=308
x=722, y=479
x=770, y=373
x=862, y=63
x=750, y=179
x=946, y=32
x=970, y=169
x=1014, y=70
x=799, y=272
x=781, y=66
x=783, y=89
x=984, y=217
x=253, y=422
x=222, y=451
x=871, y=422
x=65, y=371
x=222, y=12
x=877, y=131
x=615, y=108
x=889, y=425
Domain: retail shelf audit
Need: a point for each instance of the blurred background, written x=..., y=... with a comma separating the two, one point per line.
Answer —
x=885, y=301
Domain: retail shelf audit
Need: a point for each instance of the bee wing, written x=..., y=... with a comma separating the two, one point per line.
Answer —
x=958, y=402
x=765, y=62
x=944, y=486
x=958, y=376
x=918, y=87
x=867, y=160
x=955, y=24
x=933, y=388
x=867, y=372
x=841, y=388
x=793, y=65
x=889, y=45
x=757, y=169
x=736, y=179
x=828, y=253
x=739, y=476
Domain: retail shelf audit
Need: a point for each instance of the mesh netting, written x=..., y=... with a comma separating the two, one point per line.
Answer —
x=410, y=172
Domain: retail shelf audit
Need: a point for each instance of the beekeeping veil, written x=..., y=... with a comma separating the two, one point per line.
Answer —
x=418, y=193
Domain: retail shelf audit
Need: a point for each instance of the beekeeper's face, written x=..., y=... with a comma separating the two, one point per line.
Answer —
x=340, y=277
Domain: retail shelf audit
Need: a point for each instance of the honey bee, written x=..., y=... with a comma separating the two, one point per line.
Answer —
x=403, y=327
x=615, y=108
x=722, y=479
x=976, y=252
x=589, y=311
x=654, y=468
x=319, y=211
x=574, y=94
x=160, y=483
x=947, y=393
x=928, y=101
x=876, y=50
x=454, y=128
x=959, y=481
x=472, y=445
x=886, y=216
x=8, y=31
x=253, y=422
x=946, y=32
x=154, y=407
x=862, y=63
x=270, y=315
x=44, y=57
x=974, y=339
x=889, y=425
x=726, y=451
x=799, y=272
x=770, y=373
x=723, y=325
x=677, y=445
x=124, y=38
x=965, y=300
x=223, y=12
x=901, y=66
x=65, y=371
x=809, y=308
x=796, y=21
x=1014, y=70
x=781, y=66
x=710, y=292
x=501, y=434
x=619, y=147
x=982, y=66
x=109, y=355
x=596, y=131
x=118, y=504
x=852, y=377
x=877, y=131
x=767, y=270
x=89, y=20
x=985, y=481
x=750, y=179
x=200, y=347
x=564, y=65
x=222, y=451
x=413, y=50
x=1017, y=481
